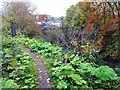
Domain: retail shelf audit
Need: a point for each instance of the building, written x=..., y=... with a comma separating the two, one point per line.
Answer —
x=41, y=17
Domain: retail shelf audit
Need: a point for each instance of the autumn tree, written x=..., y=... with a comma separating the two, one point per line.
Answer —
x=107, y=15
x=99, y=25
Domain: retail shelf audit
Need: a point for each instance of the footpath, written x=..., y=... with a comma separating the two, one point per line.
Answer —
x=44, y=80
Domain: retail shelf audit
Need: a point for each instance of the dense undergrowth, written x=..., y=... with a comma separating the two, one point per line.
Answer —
x=18, y=68
x=68, y=70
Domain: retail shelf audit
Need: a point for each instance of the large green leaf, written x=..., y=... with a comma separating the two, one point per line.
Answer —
x=105, y=73
x=76, y=77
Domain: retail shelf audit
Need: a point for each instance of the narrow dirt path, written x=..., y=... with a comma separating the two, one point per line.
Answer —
x=43, y=75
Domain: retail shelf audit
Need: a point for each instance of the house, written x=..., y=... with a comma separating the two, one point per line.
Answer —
x=41, y=17
x=48, y=22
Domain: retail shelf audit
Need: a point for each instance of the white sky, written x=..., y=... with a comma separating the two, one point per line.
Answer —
x=55, y=8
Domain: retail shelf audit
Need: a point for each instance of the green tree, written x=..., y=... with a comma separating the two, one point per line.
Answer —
x=75, y=17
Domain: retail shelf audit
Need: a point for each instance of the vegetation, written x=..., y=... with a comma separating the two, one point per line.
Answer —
x=86, y=53
x=76, y=17
x=18, y=68
x=96, y=24
x=21, y=14
x=68, y=70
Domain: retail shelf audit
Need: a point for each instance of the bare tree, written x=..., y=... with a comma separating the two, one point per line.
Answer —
x=23, y=17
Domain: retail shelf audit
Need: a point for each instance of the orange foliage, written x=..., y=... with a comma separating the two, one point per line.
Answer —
x=106, y=15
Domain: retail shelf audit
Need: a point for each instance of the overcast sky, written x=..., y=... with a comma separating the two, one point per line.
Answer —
x=55, y=8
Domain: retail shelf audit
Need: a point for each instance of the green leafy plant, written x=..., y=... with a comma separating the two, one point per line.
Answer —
x=68, y=70
x=7, y=84
x=19, y=67
x=104, y=73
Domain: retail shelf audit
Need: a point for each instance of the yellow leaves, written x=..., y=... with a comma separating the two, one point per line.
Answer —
x=86, y=48
x=74, y=43
x=24, y=87
x=72, y=21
